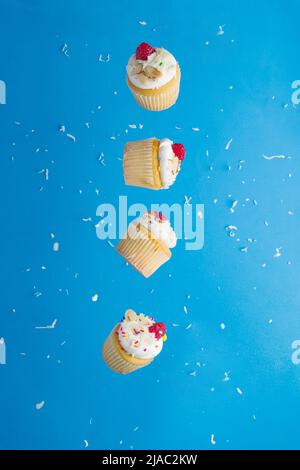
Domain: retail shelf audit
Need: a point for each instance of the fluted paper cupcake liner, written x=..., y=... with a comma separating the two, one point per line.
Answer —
x=117, y=359
x=140, y=164
x=160, y=98
x=142, y=250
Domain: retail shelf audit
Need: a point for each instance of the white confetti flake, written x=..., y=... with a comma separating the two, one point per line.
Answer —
x=212, y=440
x=221, y=31
x=196, y=129
x=273, y=157
x=62, y=128
x=189, y=326
x=65, y=49
x=132, y=126
x=47, y=327
x=222, y=326
x=239, y=391
x=277, y=253
x=95, y=298
x=136, y=429
x=226, y=377
x=175, y=325
x=103, y=58
x=71, y=137
x=86, y=444
x=55, y=246
x=187, y=200
x=185, y=309
x=2, y=352
x=244, y=249
x=193, y=374
x=40, y=405
x=228, y=145
x=233, y=205
x=142, y=23
x=230, y=227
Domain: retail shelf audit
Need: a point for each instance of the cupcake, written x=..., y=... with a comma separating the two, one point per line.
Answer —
x=152, y=163
x=147, y=242
x=153, y=77
x=133, y=343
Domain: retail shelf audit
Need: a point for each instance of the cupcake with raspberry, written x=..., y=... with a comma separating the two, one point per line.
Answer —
x=147, y=243
x=152, y=163
x=133, y=343
x=153, y=76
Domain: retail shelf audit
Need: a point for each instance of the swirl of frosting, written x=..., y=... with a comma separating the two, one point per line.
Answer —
x=159, y=226
x=168, y=162
x=139, y=337
x=159, y=68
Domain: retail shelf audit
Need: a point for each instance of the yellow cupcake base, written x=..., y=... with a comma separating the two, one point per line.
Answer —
x=157, y=99
x=117, y=359
x=140, y=164
x=142, y=250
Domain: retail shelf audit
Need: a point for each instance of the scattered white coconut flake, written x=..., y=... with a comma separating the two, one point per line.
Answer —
x=95, y=297
x=233, y=205
x=277, y=253
x=228, y=145
x=212, y=440
x=47, y=327
x=206, y=43
x=240, y=392
x=221, y=31
x=185, y=309
x=178, y=128
x=272, y=157
x=195, y=129
x=264, y=265
x=71, y=137
x=110, y=243
x=142, y=22
x=86, y=444
x=226, y=377
x=230, y=227
x=244, y=249
x=175, y=325
x=40, y=405
x=270, y=321
x=193, y=374
x=290, y=213
x=189, y=326
x=86, y=219
x=222, y=326
x=136, y=429
x=187, y=200
x=101, y=159
x=103, y=58
x=87, y=125
x=55, y=246
x=132, y=126
x=2, y=352
x=65, y=49
x=255, y=203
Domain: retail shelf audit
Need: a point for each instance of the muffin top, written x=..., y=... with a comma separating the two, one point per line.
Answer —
x=151, y=67
x=159, y=226
x=140, y=336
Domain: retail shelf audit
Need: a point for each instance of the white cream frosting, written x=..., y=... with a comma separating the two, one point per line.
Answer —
x=159, y=227
x=168, y=162
x=135, y=338
x=161, y=60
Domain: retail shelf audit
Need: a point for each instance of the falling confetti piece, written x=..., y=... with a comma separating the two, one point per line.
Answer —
x=95, y=298
x=221, y=31
x=71, y=137
x=277, y=253
x=47, y=327
x=240, y=392
x=196, y=129
x=102, y=58
x=272, y=157
x=222, y=326
x=40, y=405
x=86, y=444
x=185, y=309
x=2, y=352
x=142, y=23
x=228, y=145
x=212, y=440
x=55, y=246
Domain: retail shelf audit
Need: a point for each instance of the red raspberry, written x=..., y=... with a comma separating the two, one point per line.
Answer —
x=159, y=329
x=179, y=151
x=159, y=216
x=143, y=51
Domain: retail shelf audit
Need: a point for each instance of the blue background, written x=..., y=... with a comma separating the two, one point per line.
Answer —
x=258, y=55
